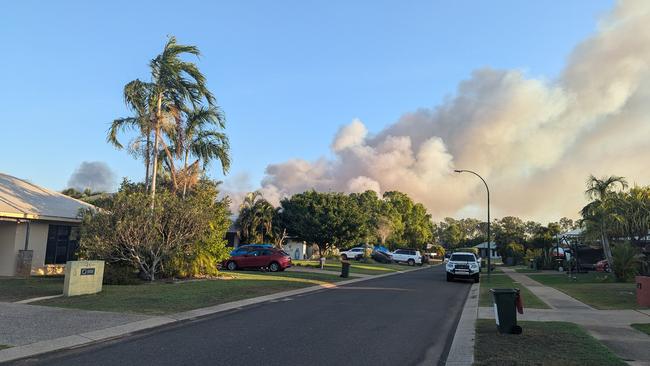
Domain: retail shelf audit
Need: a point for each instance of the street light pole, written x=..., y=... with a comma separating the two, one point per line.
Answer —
x=489, y=244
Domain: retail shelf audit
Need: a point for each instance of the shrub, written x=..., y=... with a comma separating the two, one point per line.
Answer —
x=627, y=262
x=515, y=251
x=120, y=274
x=178, y=235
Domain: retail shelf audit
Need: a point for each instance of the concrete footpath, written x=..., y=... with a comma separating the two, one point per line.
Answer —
x=35, y=330
x=611, y=327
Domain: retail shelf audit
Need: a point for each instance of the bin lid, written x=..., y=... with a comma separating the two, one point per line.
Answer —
x=504, y=290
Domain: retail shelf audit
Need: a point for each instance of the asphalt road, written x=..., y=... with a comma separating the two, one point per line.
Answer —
x=406, y=319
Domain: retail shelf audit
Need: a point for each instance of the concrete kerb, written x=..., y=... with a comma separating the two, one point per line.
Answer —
x=88, y=338
x=461, y=352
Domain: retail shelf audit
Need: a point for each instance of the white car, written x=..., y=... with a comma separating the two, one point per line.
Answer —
x=353, y=253
x=409, y=256
x=463, y=265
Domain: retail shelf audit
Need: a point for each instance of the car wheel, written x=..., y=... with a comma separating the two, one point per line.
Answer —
x=231, y=266
x=449, y=277
x=274, y=267
x=477, y=279
x=358, y=258
x=344, y=257
x=411, y=262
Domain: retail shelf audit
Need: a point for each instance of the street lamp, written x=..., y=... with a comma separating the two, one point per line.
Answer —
x=489, y=244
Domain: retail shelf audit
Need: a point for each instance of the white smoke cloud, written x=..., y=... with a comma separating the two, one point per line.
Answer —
x=534, y=140
x=94, y=175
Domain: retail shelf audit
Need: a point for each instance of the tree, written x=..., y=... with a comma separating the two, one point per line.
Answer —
x=418, y=227
x=598, y=212
x=256, y=219
x=325, y=219
x=385, y=228
x=129, y=231
x=137, y=97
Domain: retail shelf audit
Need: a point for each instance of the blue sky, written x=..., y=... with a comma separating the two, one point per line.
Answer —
x=288, y=74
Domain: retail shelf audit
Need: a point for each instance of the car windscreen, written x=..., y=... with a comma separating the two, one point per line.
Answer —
x=462, y=258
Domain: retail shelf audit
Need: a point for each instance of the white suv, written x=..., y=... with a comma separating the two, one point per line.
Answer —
x=463, y=265
x=410, y=256
x=353, y=253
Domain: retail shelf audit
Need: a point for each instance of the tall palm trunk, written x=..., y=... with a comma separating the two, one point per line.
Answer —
x=186, y=173
x=155, y=150
x=147, y=160
x=606, y=248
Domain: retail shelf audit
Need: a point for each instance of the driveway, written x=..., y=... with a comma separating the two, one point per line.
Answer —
x=22, y=324
x=406, y=319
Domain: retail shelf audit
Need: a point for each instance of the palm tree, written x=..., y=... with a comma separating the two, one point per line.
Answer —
x=256, y=217
x=201, y=139
x=600, y=210
x=176, y=83
x=137, y=96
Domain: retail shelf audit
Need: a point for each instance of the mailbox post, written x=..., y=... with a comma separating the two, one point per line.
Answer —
x=83, y=277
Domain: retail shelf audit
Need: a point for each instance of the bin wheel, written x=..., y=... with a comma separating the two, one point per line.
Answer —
x=449, y=277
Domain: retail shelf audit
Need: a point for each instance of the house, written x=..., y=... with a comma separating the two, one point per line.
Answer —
x=483, y=250
x=298, y=249
x=39, y=228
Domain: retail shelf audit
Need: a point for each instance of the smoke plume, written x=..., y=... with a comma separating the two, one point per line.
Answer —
x=535, y=141
x=94, y=175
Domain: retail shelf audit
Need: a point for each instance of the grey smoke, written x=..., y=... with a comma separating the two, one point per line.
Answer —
x=534, y=140
x=94, y=175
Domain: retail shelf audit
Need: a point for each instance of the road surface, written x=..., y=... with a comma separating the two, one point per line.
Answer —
x=405, y=319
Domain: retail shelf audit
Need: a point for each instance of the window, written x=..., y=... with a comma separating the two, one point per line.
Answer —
x=399, y=251
x=463, y=258
x=62, y=244
x=266, y=252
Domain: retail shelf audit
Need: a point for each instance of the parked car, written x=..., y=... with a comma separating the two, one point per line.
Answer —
x=353, y=253
x=273, y=259
x=603, y=266
x=381, y=257
x=249, y=248
x=408, y=256
x=462, y=265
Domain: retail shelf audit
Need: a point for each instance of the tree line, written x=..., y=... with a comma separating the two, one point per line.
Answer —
x=334, y=219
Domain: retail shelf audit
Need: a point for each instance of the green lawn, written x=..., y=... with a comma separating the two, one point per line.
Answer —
x=16, y=289
x=164, y=298
x=645, y=328
x=599, y=290
x=540, y=344
x=504, y=281
x=4, y=346
x=355, y=267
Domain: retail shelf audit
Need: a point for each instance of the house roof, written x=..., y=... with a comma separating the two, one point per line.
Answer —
x=20, y=199
x=573, y=233
x=484, y=245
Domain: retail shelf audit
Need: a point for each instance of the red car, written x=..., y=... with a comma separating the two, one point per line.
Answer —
x=273, y=259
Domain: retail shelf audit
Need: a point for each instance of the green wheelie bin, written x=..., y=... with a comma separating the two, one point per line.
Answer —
x=345, y=269
x=507, y=302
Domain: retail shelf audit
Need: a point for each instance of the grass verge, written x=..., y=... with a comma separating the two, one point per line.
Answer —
x=4, y=346
x=595, y=289
x=16, y=289
x=504, y=281
x=164, y=298
x=645, y=328
x=541, y=343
